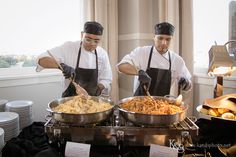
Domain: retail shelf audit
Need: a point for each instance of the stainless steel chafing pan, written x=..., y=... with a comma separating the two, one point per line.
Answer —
x=79, y=119
x=149, y=119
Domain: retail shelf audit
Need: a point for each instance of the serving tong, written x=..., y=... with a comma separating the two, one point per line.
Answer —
x=79, y=89
x=145, y=88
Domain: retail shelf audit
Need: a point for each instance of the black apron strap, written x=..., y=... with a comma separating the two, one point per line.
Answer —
x=78, y=57
x=169, y=60
x=150, y=57
x=79, y=54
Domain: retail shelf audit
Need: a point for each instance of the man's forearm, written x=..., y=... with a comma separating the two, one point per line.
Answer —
x=48, y=62
x=127, y=69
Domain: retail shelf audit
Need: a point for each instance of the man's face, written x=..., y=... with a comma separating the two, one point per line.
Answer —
x=162, y=43
x=90, y=41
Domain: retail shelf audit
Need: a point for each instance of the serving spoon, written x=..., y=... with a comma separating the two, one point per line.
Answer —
x=145, y=88
x=79, y=89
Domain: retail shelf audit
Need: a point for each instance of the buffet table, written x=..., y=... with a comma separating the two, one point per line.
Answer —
x=120, y=132
x=33, y=141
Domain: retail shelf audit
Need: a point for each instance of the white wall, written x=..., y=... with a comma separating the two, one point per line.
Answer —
x=41, y=88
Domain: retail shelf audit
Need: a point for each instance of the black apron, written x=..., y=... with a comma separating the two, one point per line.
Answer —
x=86, y=78
x=161, y=80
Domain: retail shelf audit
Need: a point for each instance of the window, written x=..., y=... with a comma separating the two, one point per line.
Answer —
x=29, y=28
x=214, y=22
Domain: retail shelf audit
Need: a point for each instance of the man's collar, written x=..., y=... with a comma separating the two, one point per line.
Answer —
x=83, y=49
x=163, y=54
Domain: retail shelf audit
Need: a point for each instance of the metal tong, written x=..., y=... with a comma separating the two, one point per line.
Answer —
x=145, y=88
x=79, y=89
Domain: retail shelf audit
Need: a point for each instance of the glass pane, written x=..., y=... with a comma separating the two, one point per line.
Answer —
x=29, y=28
x=213, y=24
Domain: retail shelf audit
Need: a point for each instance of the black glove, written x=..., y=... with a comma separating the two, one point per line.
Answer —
x=144, y=79
x=99, y=89
x=68, y=71
x=184, y=84
x=95, y=91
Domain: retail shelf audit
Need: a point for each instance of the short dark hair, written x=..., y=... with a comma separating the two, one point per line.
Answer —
x=93, y=27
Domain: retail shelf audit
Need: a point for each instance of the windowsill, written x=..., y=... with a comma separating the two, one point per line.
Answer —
x=200, y=76
x=28, y=76
x=202, y=72
x=13, y=73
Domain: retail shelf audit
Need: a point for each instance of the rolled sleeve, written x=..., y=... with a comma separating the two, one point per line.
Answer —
x=131, y=58
x=123, y=61
x=39, y=67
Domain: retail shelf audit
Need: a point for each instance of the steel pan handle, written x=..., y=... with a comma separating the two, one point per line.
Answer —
x=49, y=110
x=48, y=118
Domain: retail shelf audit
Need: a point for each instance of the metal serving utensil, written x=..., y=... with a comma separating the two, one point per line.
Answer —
x=79, y=89
x=145, y=88
x=176, y=100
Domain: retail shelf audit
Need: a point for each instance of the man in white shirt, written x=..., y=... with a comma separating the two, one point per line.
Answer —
x=156, y=66
x=83, y=61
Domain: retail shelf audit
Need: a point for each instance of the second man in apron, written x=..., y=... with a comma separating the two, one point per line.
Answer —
x=156, y=67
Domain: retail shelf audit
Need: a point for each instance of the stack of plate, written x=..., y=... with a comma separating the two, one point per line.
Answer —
x=9, y=121
x=24, y=109
x=1, y=139
x=2, y=104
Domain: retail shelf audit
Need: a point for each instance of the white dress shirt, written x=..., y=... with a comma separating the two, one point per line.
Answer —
x=68, y=54
x=140, y=55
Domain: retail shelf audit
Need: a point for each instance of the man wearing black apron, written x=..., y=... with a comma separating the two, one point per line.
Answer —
x=83, y=61
x=156, y=66
x=86, y=78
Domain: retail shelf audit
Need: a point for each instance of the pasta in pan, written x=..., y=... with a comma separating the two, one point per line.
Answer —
x=80, y=105
x=147, y=105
